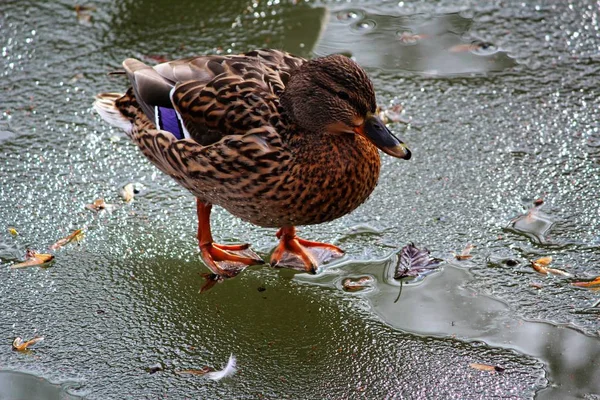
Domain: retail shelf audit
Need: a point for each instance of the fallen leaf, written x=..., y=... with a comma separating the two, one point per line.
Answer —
x=13, y=231
x=411, y=38
x=486, y=367
x=414, y=261
x=588, y=284
x=543, y=261
x=356, y=284
x=99, y=205
x=84, y=15
x=33, y=259
x=127, y=192
x=536, y=285
x=20, y=345
x=555, y=271
x=76, y=77
x=73, y=237
x=465, y=254
x=541, y=266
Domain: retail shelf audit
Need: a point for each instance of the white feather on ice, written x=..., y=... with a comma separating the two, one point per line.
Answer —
x=226, y=372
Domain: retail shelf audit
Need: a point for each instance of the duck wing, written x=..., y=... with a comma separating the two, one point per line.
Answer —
x=208, y=98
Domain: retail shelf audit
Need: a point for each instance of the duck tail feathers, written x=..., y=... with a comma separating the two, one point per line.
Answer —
x=105, y=105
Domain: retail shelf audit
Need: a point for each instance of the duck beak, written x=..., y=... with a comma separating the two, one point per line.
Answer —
x=376, y=131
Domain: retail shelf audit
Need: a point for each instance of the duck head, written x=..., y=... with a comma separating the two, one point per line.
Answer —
x=334, y=95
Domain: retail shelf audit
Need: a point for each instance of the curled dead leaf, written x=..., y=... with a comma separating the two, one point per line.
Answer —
x=34, y=259
x=411, y=38
x=541, y=263
x=20, y=345
x=465, y=254
x=589, y=284
x=75, y=236
x=356, y=284
x=541, y=266
x=536, y=285
x=99, y=205
x=414, y=261
x=84, y=15
x=486, y=367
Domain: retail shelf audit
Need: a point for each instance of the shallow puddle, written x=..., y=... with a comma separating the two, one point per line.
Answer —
x=18, y=385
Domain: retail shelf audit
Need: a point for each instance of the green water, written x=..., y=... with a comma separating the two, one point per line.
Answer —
x=491, y=129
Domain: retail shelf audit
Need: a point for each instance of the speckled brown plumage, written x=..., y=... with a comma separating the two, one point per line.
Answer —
x=276, y=140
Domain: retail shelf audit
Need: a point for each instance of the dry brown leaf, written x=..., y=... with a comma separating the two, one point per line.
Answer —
x=356, y=284
x=411, y=38
x=486, y=367
x=541, y=266
x=73, y=237
x=465, y=254
x=588, y=284
x=555, y=271
x=33, y=259
x=20, y=345
x=99, y=205
x=541, y=263
x=84, y=15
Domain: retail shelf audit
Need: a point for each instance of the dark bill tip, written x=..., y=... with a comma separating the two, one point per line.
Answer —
x=376, y=131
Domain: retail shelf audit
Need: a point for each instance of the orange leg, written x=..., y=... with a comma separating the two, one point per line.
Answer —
x=299, y=253
x=223, y=260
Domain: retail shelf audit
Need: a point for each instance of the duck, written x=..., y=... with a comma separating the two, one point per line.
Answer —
x=275, y=139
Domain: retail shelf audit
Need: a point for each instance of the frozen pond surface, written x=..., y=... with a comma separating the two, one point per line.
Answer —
x=502, y=100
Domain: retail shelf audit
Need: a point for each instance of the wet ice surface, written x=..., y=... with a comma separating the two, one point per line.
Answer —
x=485, y=146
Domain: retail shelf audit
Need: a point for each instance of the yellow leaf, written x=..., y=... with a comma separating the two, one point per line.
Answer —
x=75, y=236
x=20, y=345
x=33, y=259
x=595, y=282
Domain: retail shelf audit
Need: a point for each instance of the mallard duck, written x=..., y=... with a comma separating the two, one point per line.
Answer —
x=275, y=139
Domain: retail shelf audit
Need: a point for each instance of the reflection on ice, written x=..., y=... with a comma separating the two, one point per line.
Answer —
x=434, y=45
x=440, y=305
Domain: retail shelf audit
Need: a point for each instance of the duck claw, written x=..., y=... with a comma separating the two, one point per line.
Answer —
x=228, y=261
x=304, y=255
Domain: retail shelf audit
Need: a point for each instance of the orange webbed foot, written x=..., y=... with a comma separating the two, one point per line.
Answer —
x=298, y=253
x=224, y=260
x=228, y=260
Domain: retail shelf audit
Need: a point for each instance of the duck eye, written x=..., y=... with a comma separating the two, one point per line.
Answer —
x=343, y=95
